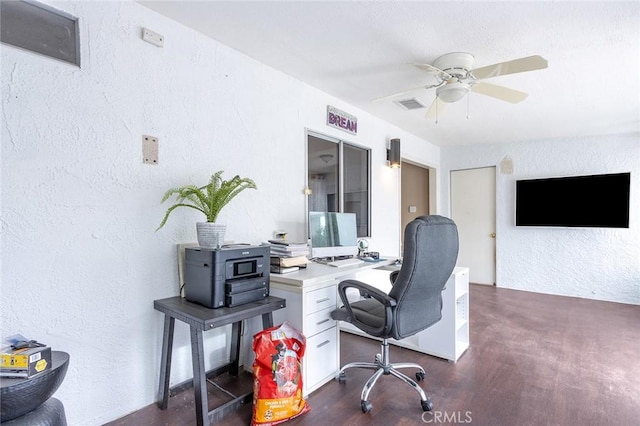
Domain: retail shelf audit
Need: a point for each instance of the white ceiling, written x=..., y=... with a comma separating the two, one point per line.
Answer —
x=360, y=51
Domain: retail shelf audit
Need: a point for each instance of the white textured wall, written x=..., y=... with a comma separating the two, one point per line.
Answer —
x=599, y=263
x=81, y=263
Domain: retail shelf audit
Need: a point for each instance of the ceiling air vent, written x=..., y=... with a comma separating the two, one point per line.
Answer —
x=411, y=103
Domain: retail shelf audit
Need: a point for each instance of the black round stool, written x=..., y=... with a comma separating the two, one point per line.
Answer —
x=27, y=401
x=49, y=413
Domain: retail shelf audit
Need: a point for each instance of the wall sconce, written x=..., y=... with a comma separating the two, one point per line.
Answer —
x=393, y=153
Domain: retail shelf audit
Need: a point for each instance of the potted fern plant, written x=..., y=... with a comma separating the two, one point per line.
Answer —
x=209, y=200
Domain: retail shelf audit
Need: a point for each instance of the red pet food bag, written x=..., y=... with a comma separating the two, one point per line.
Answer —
x=277, y=375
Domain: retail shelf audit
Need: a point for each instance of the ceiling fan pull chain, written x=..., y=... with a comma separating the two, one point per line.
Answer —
x=437, y=109
x=468, y=106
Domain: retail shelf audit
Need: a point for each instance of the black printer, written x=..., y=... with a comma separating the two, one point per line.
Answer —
x=228, y=276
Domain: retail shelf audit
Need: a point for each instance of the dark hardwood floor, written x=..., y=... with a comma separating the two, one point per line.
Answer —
x=534, y=359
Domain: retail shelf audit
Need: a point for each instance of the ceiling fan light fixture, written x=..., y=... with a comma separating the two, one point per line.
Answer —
x=456, y=63
x=452, y=92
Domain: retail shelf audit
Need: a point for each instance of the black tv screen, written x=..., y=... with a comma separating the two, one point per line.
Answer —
x=594, y=201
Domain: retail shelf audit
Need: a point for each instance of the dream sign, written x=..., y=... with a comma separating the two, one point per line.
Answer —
x=341, y=120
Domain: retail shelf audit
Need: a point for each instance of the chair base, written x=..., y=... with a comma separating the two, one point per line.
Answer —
x=382, y=365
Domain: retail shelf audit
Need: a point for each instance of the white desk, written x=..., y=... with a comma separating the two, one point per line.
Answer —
x=312, y=295
x=316, y=273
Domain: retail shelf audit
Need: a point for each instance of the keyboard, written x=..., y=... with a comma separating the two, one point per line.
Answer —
x=345, y=262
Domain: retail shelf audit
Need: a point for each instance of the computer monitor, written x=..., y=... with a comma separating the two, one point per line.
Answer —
x=333, y=234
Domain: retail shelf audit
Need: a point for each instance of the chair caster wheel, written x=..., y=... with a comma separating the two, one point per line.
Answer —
x=342, y=378
x=419, y=376
x=427, y=405
x=365, y=406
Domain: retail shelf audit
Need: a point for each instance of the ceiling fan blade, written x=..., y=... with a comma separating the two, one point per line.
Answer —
x=430, y=68
x=530, y=63
x=499, y=92
x=437, y=106
x=393, y=95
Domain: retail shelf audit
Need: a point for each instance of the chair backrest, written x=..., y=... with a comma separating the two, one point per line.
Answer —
x=430, y=254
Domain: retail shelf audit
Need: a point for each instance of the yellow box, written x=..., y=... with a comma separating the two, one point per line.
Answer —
x=24, y=362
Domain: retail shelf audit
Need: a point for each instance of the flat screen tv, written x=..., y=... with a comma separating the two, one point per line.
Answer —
x=593, y=201
x=333, y=234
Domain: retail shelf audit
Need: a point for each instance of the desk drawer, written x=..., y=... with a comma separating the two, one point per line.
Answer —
x=320, y=299
x=318, y=321
x=321, y=357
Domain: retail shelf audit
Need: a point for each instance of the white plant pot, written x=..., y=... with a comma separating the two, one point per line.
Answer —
x=210, y=235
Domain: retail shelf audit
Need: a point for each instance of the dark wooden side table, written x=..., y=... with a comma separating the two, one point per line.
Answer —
x=201, y=319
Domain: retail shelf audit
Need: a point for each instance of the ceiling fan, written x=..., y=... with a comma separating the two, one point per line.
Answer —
x=455, y=78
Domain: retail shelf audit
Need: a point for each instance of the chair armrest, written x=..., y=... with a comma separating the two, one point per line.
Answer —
x=380, y=296
x=393, y=276
x=371, y=291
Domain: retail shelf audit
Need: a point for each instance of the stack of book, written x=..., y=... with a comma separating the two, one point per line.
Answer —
x=288, y=256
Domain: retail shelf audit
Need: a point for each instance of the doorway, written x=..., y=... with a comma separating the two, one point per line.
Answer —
x=473, y=209
x=415, y=195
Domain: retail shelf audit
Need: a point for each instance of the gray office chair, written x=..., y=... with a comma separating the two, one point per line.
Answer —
x=413, y=304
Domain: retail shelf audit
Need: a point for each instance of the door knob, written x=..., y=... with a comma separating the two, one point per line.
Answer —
x=493, y=235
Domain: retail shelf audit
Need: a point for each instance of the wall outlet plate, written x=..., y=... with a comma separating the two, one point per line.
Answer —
x=149, y=149
x=152, y=37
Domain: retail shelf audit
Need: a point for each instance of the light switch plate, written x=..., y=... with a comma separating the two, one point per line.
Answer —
x=149, y=149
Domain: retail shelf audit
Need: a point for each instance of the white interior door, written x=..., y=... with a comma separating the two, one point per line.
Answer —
x=473, y=208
